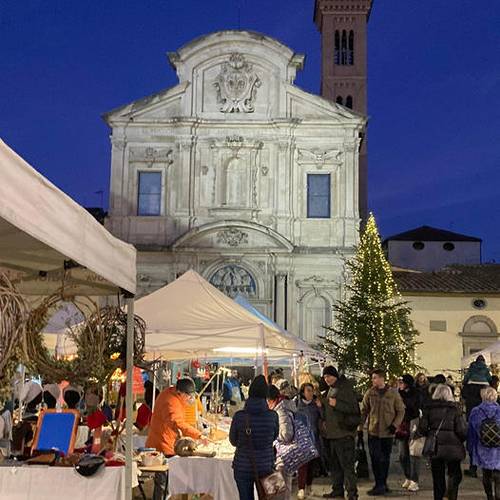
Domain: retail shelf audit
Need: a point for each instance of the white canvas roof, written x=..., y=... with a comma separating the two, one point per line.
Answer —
x=191, y=318
x=491, y=355
x=41, y=229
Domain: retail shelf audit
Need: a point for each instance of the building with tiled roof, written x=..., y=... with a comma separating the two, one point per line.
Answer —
x=428, y=248
x=455, y=309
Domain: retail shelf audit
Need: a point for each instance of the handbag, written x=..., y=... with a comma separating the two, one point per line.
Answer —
x=430, y=449
x=268, y=487
x=403, y=430
x=361, y=460
x=416, y=446
x=300, y=451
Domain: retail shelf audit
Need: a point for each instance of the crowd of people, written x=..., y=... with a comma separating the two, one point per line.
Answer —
x=424, y=417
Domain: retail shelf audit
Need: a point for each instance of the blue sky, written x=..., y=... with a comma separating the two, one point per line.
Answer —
x=434, y=93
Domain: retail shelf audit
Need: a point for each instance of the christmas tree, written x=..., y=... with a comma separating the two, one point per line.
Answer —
x=372, y=327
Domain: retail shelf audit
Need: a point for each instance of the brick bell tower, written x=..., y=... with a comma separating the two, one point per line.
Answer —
x=343, y=24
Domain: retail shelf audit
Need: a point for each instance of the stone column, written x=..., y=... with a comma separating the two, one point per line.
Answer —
x=280, y=299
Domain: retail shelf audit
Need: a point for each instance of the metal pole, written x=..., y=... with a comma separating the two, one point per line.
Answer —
x=154, y=387
x=129, y=401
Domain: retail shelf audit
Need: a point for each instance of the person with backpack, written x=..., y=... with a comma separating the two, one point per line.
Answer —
x=445, y=430
x=310, y=408
x=483, y=441
x=342, y=417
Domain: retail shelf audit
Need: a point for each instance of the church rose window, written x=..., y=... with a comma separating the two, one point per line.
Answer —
x=318, y=196
x=149, y=194
x=234, y=280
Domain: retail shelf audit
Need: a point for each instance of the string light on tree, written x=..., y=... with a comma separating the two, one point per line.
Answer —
x=372, y=326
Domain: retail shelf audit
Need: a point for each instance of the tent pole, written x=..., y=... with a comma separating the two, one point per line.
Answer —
x=129, y=401
x=154, y=386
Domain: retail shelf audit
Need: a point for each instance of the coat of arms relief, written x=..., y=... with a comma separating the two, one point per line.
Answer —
x=236, y=85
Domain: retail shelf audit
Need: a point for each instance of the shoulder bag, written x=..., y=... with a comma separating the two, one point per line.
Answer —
x=430, y=449
x=268, y=487
x=302, y=449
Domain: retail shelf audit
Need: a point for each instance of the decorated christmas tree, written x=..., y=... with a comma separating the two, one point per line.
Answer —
x=372, y=327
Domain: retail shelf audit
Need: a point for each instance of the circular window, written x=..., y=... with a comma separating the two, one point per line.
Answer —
x=449, y=247
x=479, y=303
x=418, y=245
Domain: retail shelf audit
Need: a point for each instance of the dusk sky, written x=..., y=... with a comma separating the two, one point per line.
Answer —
x=434, y=93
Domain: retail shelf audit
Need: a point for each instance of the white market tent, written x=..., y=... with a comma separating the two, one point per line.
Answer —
x=191, y=318
x=491, y=355
x=47, y=240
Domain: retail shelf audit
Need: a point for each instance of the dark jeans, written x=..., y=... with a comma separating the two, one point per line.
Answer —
x=380, y=455
x=438, y=468
x=305, y=475
x=161, y=486
x=342, y=461
x=245, y=488
x=409, y=464
x=491, y=483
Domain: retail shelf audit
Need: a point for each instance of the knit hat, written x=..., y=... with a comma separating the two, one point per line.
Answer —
x=259, y=388
x=330, y=370
x=408, y=380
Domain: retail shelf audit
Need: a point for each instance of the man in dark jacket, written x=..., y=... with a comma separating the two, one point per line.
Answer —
x=263, y=426
x=342, y=416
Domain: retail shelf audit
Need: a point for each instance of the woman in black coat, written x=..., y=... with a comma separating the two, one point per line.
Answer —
x=444, y=414
x=264, y=426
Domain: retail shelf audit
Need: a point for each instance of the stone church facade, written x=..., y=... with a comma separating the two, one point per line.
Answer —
x=241, y=175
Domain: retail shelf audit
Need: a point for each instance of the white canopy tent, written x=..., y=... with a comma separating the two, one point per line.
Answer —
x=48, y=241
x=191, y=318
x=491, y=355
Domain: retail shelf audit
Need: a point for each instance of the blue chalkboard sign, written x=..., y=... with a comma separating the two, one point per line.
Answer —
x=56, y=430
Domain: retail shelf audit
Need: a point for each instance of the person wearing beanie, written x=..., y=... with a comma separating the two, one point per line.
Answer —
x=411, y=400
x=167, y=422
x=342, y=417
x=253, y=432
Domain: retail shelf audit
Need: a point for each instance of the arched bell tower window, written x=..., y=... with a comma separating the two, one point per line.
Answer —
x=343, y=50
x=339, y=100
x=350, y=53
x=348, y=101
x=336, y=55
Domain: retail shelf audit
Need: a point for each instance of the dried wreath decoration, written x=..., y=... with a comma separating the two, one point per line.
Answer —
x=13, y=315
x=102, y=344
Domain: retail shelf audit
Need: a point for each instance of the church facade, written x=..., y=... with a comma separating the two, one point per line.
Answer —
x=241, y=175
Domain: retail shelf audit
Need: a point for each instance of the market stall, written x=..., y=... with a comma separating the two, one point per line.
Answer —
x=47, y=241
x=189, y=319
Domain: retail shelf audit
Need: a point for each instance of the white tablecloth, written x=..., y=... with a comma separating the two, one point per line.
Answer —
x=202, y=475
x=61, y=483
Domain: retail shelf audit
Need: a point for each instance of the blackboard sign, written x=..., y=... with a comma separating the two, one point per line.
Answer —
x=56, y=430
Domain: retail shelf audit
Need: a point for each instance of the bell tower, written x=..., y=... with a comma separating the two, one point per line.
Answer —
x=343, y=25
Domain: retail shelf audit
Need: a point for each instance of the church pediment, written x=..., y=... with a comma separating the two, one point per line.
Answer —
x=234, y=235
x=166, y=104
x=303, y=105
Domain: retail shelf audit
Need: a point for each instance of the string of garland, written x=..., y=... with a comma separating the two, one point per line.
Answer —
x=372, y=327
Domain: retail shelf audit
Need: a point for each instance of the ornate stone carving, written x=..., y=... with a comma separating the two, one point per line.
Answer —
x=118, y=143
x=204, y=170
x=319, y=158
x=232, y=237
x=265, y=170
x=236, y=85
x=151, y=156
x=234, y=280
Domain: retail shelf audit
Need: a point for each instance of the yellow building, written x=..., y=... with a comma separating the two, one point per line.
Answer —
x=456, y=311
